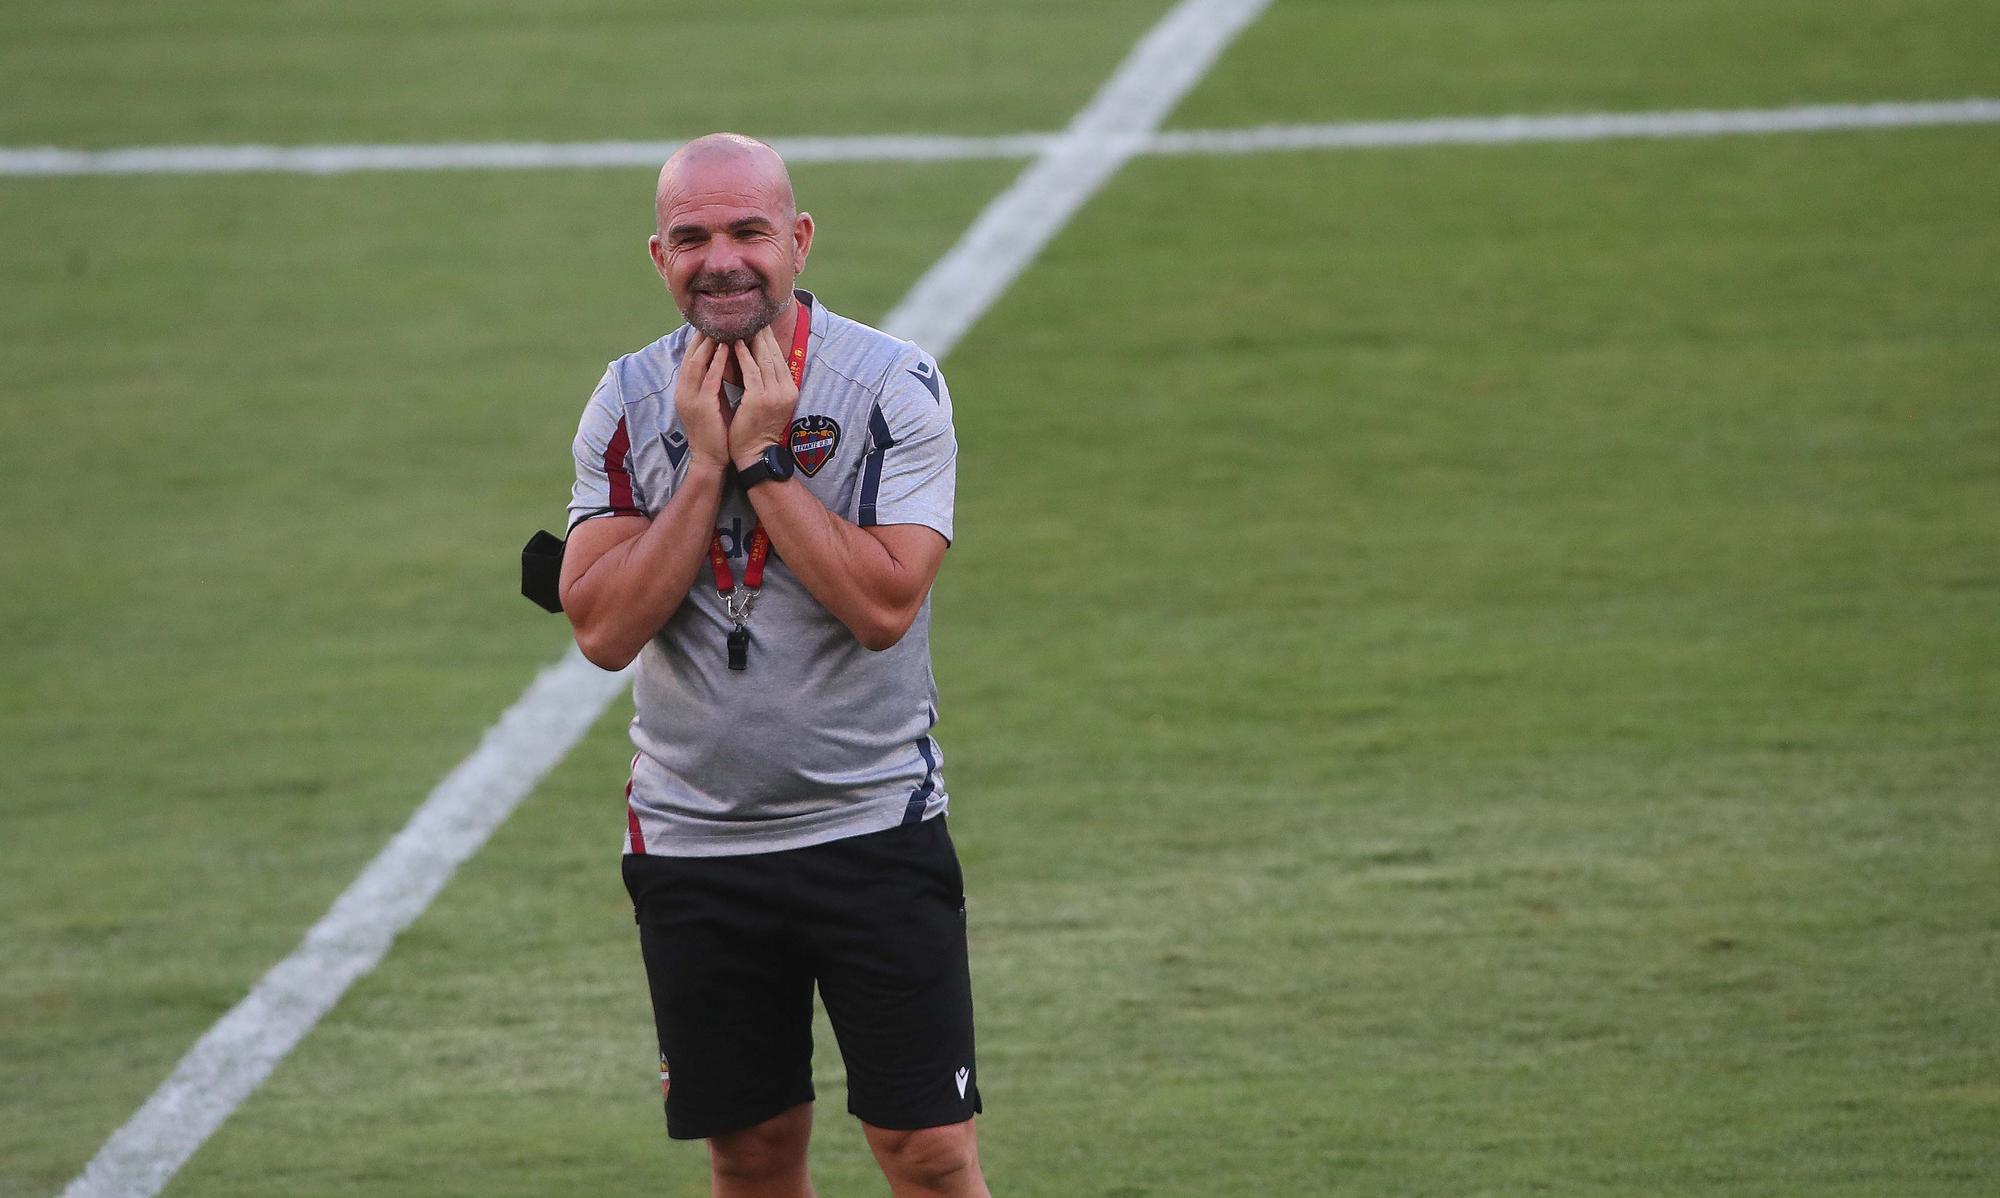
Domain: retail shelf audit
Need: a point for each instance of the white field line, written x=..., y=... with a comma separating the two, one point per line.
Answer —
x=34, y=161
x=1583, y=126
x=1166, y=63
x=445, y=156
x=234, y=1056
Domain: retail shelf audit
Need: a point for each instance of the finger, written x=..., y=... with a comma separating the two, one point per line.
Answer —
x=771, y=356
x=694, y=363
x=752, y=369
x=711, y=383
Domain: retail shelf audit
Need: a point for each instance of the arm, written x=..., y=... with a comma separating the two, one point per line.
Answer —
x=874, y=579
x=624, y=575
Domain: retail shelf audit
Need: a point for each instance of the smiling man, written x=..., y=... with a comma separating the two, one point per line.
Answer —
x=785, y=815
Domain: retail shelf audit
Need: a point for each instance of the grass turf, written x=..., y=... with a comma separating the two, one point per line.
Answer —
x=1573, y=775
x=276, y=445
x=100, y=73
x=1339, y=60
x=1511, y=718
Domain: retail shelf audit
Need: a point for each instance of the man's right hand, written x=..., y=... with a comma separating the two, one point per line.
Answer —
x=698, y=399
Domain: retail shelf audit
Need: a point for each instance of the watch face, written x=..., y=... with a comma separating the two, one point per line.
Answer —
x=779, y=462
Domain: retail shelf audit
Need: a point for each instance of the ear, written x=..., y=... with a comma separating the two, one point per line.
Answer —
x=802, y=240
x=659, y=252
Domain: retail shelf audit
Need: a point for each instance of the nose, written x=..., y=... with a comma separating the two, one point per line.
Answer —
x=721, y=255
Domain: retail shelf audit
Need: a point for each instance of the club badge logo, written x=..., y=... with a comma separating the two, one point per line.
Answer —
x=813, y=440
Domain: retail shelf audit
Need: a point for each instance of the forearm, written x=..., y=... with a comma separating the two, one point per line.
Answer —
x=852, y=574
x=622, y=598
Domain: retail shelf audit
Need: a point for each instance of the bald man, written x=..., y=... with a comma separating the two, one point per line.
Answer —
x=763, y=499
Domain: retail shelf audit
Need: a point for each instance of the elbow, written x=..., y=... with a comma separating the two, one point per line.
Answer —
x=877, y=639
x=600, y=652
x=884, y=629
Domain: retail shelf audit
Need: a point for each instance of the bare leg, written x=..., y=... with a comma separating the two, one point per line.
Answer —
x=936, y=1162
x=765, y=1161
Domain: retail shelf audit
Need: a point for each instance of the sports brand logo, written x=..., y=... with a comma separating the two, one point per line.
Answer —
x=663, y=1075
x=813, y=440
x=963, y=1076
x=927, y=375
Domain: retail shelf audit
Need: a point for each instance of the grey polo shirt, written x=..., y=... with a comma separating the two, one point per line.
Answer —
x=819, y=738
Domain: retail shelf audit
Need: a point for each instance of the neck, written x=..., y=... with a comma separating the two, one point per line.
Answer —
x=785, y=321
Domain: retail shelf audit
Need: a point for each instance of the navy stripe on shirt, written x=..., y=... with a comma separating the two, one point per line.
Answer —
x=921, y=796
x=871, y=466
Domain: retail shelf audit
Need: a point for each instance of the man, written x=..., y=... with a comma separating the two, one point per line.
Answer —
x=785, y=814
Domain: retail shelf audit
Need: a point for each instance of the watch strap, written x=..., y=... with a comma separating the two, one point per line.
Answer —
x=774, y=462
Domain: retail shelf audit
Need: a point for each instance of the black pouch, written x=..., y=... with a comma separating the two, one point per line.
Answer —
x=541, y=570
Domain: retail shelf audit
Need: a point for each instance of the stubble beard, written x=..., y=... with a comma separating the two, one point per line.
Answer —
x=733, y=326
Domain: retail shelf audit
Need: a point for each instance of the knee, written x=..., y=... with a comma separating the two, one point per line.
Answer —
x=767, y=1152
x=933, y=1159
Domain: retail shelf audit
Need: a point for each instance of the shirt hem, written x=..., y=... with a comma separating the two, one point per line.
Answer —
x=669, y=837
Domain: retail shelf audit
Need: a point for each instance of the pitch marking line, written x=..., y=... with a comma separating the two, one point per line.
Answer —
x=1584, y=126
x=1442, y=131
x=1100, y=139
x=234, y=1056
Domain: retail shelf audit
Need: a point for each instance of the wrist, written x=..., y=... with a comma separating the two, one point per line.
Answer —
x=772, y=465
x=751, y=453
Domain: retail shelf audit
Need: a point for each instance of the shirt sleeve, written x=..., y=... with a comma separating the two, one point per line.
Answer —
x=603, y=450
x=910, y=473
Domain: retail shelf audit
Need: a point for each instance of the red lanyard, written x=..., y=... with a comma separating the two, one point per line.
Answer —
x=753, y=569
x=738, y=609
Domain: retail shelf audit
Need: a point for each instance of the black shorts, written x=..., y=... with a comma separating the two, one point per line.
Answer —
x=734, y=945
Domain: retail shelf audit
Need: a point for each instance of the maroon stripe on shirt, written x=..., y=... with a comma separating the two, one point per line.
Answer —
x=614, y=467
x=632, y=821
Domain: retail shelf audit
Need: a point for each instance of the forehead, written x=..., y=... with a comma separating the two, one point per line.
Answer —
x=720, y=191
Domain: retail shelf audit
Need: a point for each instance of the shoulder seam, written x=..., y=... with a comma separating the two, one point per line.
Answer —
x=904, y=348
x=832, y=369
x=673, y=368
x=909, y=347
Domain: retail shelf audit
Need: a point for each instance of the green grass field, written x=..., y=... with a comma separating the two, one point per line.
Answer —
x=1465, y=671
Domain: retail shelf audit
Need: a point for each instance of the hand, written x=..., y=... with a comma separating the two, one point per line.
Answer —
x=698, y=399
x=769, y=397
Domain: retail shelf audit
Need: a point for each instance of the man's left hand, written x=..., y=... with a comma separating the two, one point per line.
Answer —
x=769, y=398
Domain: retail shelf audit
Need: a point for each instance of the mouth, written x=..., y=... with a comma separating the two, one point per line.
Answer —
x=728, y=305
x=729, y=285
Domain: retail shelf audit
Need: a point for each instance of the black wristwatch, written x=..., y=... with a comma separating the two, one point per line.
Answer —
x=775, y=464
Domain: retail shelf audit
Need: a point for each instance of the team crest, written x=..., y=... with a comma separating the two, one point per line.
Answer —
x=812, y=442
